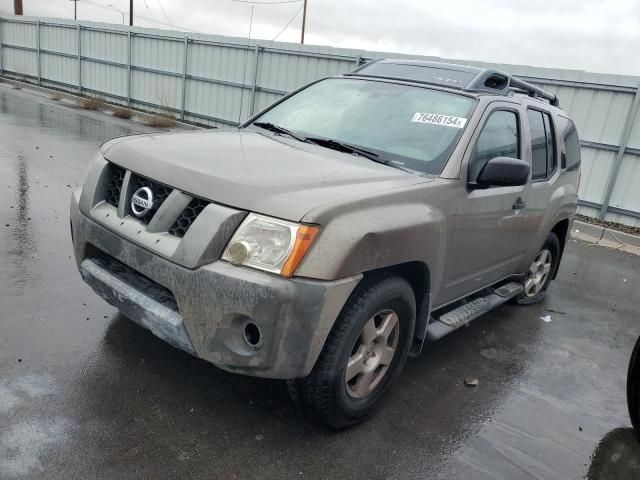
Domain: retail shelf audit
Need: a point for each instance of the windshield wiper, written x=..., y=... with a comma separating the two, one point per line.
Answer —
x=272, y=127
x=342, y=146
x=330, y=143
x=349, y=148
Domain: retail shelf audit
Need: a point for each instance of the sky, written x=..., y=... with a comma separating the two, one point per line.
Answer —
x=592, y=35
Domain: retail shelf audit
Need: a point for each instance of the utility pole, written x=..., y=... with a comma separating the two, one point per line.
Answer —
x=75, y=9
x=304, y=21
x=131, y=13
x=17, y=7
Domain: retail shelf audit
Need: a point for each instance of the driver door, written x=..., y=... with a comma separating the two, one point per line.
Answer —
x=484, y=247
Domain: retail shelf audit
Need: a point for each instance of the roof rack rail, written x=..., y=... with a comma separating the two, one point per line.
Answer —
x=534, y=91
x=462, y=77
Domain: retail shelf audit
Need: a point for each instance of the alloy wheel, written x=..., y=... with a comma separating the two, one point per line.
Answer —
x=538, y=273
x=372, y=354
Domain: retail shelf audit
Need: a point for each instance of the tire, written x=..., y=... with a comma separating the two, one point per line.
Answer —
x=325, y=395
x=633, y=389
x=535, y=295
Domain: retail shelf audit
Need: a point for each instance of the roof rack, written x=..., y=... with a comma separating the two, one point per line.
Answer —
x=534, y=91
x=461, y=77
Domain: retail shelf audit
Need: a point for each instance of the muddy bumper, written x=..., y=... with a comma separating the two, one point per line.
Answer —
x=237, y=318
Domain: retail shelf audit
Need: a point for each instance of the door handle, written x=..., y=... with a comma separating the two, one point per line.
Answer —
x=519, y=205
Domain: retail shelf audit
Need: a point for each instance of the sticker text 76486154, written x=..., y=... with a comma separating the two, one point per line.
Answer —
x=436, y=119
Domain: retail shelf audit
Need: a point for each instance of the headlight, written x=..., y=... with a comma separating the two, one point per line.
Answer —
x=270, y=244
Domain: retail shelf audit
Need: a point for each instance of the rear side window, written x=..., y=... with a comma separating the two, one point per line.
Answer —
x=571, y=157
x=551, y=144
x=499, y=138
x=543, y=147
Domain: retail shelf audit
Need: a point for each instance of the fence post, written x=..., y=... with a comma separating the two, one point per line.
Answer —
x=1, y=51
x=358, y=60
x=38, y=47
x=129, y=68
x=184, y=76
x=79, y=36
x=615, y=169
x=254, y=85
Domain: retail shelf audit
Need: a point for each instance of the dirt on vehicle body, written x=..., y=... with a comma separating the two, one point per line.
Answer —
x=331, y=235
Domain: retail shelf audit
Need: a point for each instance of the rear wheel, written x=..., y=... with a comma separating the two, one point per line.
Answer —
x=362, y=356
x=542, y=270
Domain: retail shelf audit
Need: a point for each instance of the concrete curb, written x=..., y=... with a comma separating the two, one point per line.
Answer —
x=622, y=237
x=606, y=237
x=582, y=229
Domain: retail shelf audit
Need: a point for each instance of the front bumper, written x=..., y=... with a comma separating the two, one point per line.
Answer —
x=203, y=310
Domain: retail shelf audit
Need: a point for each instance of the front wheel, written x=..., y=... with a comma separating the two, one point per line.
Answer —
x=541, y=271
x=362, y=356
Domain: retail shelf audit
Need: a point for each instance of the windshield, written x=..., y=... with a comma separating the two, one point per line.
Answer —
x=412, y=127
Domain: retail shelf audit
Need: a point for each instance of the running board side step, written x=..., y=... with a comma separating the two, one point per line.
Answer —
x=444, y=324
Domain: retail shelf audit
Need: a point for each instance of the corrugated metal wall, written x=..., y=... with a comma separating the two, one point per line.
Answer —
x=219, y=81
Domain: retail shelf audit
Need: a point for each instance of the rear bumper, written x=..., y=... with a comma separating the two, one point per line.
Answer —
x=203, y=311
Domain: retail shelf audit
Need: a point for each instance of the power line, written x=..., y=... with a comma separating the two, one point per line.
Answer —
x=150, y=12
x=163, y=12
x=142, y=17
x=174, y=27
x=288, y=23
x=275, y=2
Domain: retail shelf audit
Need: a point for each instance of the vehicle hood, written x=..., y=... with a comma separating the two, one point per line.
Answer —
x=254, y=171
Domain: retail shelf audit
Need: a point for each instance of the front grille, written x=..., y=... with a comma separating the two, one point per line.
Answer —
x=160, y=194
x=114, y=187
x=187, y=217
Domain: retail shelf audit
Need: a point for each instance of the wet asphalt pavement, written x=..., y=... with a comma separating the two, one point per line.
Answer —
x=86, y=393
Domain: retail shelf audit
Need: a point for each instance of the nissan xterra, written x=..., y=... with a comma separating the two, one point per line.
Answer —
x=335, y=233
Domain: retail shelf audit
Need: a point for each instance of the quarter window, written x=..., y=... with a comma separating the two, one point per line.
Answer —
x=571, y=143
x=499, y=138
x=543, y=149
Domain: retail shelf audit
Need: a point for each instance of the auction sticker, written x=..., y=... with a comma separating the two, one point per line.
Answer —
x=436, y=119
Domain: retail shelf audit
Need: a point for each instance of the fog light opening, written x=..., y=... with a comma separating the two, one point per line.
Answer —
x=252, y=335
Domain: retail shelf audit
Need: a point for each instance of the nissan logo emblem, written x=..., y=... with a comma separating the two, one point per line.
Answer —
x=142, y=202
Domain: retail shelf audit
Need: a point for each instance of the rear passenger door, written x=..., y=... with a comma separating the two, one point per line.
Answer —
x=543, y=150
x=484, y=246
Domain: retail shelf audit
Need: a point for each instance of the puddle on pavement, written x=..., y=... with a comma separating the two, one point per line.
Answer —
x=60, y=120
x=45, y=148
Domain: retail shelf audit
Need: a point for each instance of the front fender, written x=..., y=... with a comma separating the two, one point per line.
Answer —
x=406, y=225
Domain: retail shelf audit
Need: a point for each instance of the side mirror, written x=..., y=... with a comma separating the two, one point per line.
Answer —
x=503, y=172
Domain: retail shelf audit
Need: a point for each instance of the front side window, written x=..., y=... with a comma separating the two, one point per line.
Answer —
x=498, y=138
x=543, y=147
x=412, y=127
